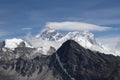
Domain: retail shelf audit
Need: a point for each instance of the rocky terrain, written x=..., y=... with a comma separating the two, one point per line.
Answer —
x=70, y=62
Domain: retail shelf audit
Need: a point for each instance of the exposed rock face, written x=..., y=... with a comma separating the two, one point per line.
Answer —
x=69, y=62
x=51, y=51
x=22, y=44
x=25, y=69
x=73, y=62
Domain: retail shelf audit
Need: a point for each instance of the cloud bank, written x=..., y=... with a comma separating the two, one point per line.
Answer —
x=112, y=42
x=68, y=25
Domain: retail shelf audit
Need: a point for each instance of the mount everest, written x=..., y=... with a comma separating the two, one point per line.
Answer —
x=51, y=38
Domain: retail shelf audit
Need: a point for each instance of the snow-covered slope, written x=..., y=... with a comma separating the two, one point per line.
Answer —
x=45, y=40
x=43, y=46
x=85, y=39
x=14, y=43
x=49, y=34
x=88, y=41
x=52, y=38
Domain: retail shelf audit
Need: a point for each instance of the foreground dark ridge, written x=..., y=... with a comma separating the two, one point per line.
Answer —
x=70, y=62
x=73, y=62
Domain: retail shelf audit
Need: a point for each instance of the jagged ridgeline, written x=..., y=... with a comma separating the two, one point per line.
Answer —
x=70, y=62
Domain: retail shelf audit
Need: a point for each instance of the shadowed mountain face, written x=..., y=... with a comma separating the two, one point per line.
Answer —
x=73, y=62
x=70, y=62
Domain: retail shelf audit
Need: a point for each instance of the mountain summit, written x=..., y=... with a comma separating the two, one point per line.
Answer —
x=51, y=38
x=73, y=62
x=50, y=34
x=86, y=39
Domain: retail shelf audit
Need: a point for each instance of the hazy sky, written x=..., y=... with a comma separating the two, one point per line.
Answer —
x=18, y=17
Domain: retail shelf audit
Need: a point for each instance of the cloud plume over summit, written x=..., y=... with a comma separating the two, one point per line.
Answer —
x=81, y=26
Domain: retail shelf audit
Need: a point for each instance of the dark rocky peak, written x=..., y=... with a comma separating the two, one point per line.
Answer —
x=2, y=44
x=70, y=62
x=73, y=62
x=71, y=50
x=71, y=44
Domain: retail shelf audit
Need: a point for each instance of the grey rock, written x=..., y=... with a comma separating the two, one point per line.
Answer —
x=70, y=62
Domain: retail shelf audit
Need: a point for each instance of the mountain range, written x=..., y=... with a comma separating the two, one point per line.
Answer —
x=52, y=56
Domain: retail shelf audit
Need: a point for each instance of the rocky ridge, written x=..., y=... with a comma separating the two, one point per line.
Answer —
x=70, y=62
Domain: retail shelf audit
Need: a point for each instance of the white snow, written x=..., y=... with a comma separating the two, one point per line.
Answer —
x=49, y=34
x=13, y=43
x=43, y=46
x=85, y=39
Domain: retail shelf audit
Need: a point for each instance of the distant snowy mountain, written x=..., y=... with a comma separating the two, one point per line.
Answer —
x=14, y=43
x=85, y=39
x=48, y=56
x=46, y=40
x=88, y=41
x=49, y=34
x=49, y=40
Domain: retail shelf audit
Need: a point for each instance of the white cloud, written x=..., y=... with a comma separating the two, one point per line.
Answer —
x=111, y=42
x=27, y=28
x=68, y=25
x=96, y=20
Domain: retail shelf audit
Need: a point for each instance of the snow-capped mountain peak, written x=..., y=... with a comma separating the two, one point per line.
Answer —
x=52, y=38
x=89, y=36
x=14, y=43
x=86, y=39
x=49, y=34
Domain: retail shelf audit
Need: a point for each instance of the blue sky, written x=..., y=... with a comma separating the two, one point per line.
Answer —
x=18, y=17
